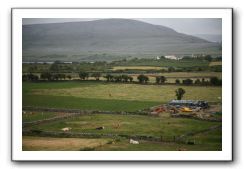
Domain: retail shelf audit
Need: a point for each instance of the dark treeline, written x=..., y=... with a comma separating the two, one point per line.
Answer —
x=142, y=79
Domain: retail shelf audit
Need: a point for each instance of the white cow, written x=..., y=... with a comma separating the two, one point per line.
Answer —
x=66, y=129
x=133, y=141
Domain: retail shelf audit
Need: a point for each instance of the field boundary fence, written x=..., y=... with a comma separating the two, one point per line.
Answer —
x=79, y=111
x=183, y=139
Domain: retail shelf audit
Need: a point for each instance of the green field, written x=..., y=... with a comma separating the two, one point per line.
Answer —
x=137, y=68
x=210, y=141
x=109, y=96
x=129, y=125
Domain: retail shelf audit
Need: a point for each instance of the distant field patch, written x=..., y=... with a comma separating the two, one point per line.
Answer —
x=215, y=63
x=191, y=74
x=60, y=144
x=137, y=68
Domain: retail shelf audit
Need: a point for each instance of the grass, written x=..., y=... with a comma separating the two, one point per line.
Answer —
x=60, y=144
x=70, y=102
x=115, y=93
x=129, y=125
x=215, y=63
x=137, y=68
x=28, y=117
x=159, y=146
x=184, y=63
x=77, y=144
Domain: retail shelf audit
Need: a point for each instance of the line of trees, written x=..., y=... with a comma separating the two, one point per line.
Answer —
x=30, y=77
x=45, y=76
x=118, y=78
x=143, y=79
x=49, y=76
x=213, y=81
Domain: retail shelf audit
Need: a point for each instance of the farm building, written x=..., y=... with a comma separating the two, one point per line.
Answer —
x=173, y=57
x=189, y=103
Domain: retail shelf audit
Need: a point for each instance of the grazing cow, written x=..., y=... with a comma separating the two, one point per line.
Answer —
x=100, y=128
x=133, y=141
x=66, y=129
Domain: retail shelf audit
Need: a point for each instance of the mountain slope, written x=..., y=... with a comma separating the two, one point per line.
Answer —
x=78, y=41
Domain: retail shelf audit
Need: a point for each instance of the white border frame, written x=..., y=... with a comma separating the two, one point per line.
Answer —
x=19, y=155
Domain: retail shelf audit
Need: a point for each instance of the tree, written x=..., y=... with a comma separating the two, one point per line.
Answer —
x=108, y=77
x=24, y=77
x=143, y=79
x=46, y=76
x=83, y=75
x=179, y=93
x=177, y=81
x=208, y=58
x=54, y=67
x=171, y=69
x=187, y=81
x=130, y=78
x=118, y=78
x=69, y=77
x=31, y=77
x=96, y=75
x=197, y=81
x=55, y=77
x=162, y=57
x=125, y=78
x=160, y=79
x=215, y=81
x=157, y=79
x=61, y=76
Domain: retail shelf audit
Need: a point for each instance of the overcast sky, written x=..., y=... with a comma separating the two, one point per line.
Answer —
x=188, y=26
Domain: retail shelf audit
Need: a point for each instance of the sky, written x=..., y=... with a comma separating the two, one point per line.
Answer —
x=191, y=26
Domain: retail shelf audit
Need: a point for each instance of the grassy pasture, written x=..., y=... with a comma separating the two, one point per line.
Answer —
x=219, y=63
x=109, y=96
x=137, y=68
x=210, y=141
x=59, y=144
x=183, y=63
x=70, y=102
x=75, y=144
x=117, y=92
x=129, y=125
